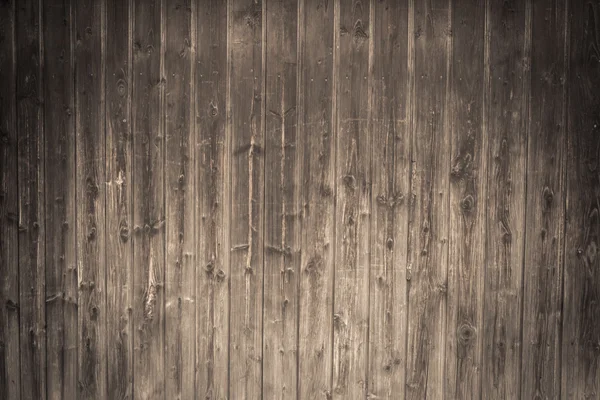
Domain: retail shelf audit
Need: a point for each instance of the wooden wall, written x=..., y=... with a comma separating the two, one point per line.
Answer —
x=312, y=199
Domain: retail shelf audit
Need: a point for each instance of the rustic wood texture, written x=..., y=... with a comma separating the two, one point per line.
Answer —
x=298, y=199
x=61, y=271
x=283, y=157
x=581, y=295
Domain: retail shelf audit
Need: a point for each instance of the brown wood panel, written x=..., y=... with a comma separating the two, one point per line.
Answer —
x=61, y=239
x=283, y=190
x=391, y=72
x=31, y=187
x=316, y=128
x=10, y=363
x=90, y=196
x=179, y=202
x=506, y=98
x=212, y=201
x=148, y=200
x=429, y=222
x=119, y=200
x=581, y=297
x=353, y=201
x=545, y=216
x=246, y=118
x=468, y=205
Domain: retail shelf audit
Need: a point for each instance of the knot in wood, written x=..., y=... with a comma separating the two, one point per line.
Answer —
x=548, y=196
x=467, y=203
x=466, y=333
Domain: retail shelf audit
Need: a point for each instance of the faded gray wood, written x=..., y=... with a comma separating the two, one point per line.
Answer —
x=61, y=239
x=506, y=100
x=391, y=74
x=213, y=193
x=283, y=217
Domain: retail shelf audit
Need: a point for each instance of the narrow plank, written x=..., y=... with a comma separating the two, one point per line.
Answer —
x=581, y=297
x=506, y=94
x=317, y=130
x=119, y=218
x=429, y=224
x=10, y=364
x=353, y=202
x=179, y=203
x=61, y=266
x=31, y=174
x=544, y=251
x=90, y=192
x=468, y=206
x=246, y=51
x=148, y=201
x=212, y=200
x=391, y=72
x=282, y=204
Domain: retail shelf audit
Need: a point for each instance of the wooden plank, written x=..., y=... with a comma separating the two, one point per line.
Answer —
x=31, y=305
x=353, y=202
x=468, y=206
x=391, y=109
x=246, y=113
x=316, y=104
x=429, y=223
x=119, y=218
x=506, y=94
x=283, y=158
x=10, y=363
x=212, y=200
x=91, y=204
x=148, y=200
x=179, y=203
x=61, y=267
x=581, y=297
x=544, y=251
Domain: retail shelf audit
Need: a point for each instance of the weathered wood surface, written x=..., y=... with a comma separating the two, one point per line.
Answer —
x=299, y=199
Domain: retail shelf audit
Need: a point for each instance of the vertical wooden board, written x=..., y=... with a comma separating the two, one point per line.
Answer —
x=245, y=46
x=428, y=232
x=282, y=204
x=581, y=297
x=61, y=269
x=31, y=174
x=468, y=208
x=212, y=201
x=390, y=112
x=148, y=201
x=179, y=203
x=544, y=256
x=90, y=195
x=353, y=201
x=506, y=90
x=317, y=131
x=10, y=365
x=119, y=218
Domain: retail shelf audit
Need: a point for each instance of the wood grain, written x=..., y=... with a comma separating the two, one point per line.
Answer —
x=468, y=205
x=119, y=201
x=61, y=239
x=31, y=200
x=581, y=296
x=390, y=105
x=148, y=200
x=246, y=118
x=10, y=362
x=283, y=217
x=316, y=125
x=506, y=100
x=179, y=202
x=544, y=251
x=213, y=193
x=429, y=200
x=353, y=201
